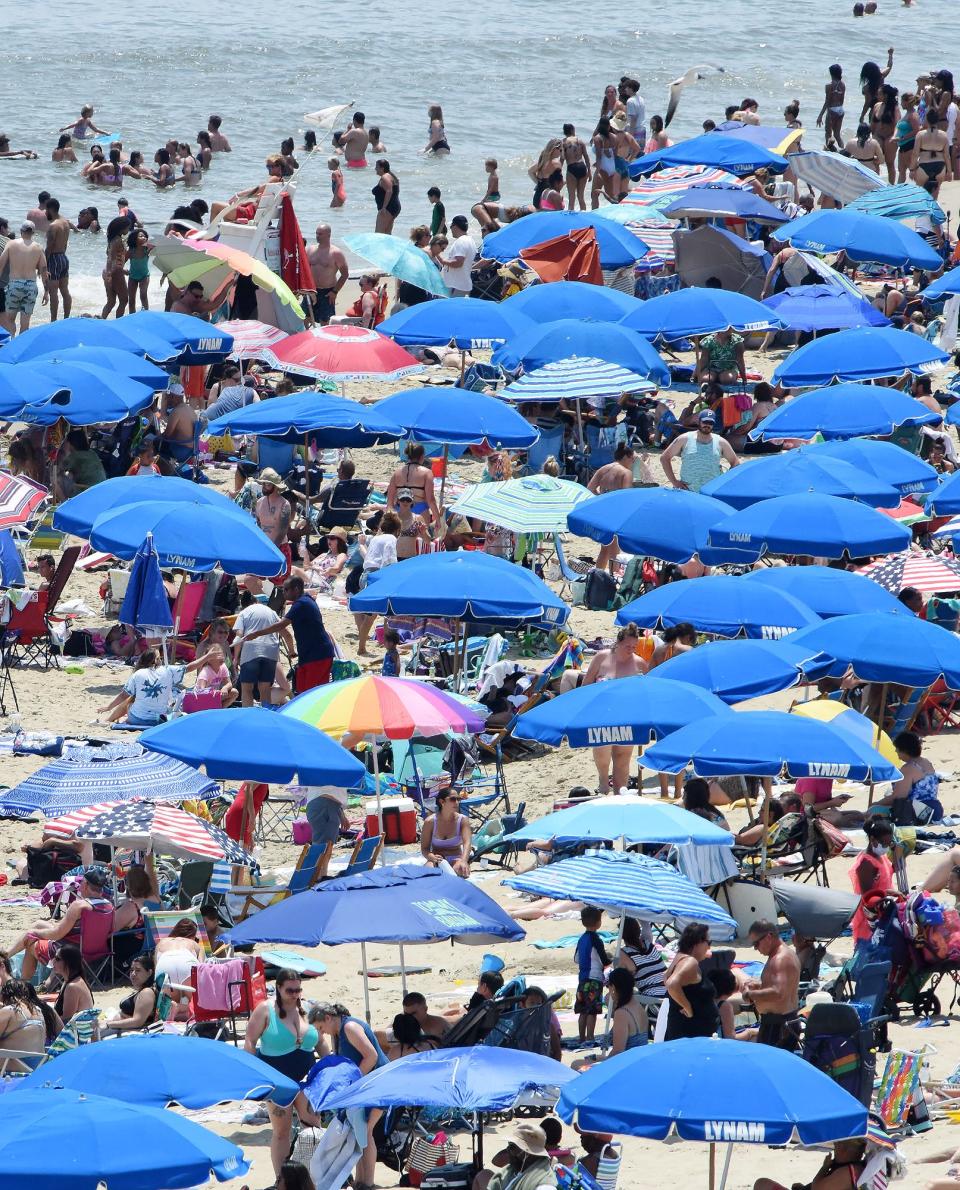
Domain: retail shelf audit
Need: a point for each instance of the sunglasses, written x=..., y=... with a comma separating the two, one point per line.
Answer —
x=293, y=991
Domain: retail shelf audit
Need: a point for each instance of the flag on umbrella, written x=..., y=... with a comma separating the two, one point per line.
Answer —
x=250, y=337
x=19, y=499
x=149, y=826
x=294, y=264
x=571, y=257
x=145, y=604
x=930, y=574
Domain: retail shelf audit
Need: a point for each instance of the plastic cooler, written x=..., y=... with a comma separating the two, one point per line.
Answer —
x=399, y=819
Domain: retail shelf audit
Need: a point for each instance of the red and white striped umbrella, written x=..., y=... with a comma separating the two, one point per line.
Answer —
x=661, y=188
x=148, y=826
x=342, y=352
x=19, y=499
x=250, y=337
x=931, y=574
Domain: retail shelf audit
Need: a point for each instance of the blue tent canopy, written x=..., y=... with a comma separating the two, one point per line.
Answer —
x=812, y=525
x=81, y=394
x=907, y=472
x=844, y=411
x=712, y=200
x=724, y=605
x=77, y=514
x=768, y=744
x=120, y=334
x=734, y=154
x=699, y=311
x=629, y=711
x=618, y=247
x=331, y=421
x=466, y=322
x=736, y=670
x=559, y=340
x=196, y=341
x=462, y=584
x=823, y=308
x=254, y=744
x=827, y=591
x=403, y=903
x=801, y=470
x=861, y=237
x=457, y=417
x=628, y=817
x=634, y=885
x=864, y=353
x=145, y=604
x=571, y=299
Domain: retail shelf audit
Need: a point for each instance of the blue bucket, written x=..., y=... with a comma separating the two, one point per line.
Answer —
x=491, y=962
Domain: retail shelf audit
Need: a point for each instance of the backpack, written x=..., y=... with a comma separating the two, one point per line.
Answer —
x=599, y=590
x=49, y=863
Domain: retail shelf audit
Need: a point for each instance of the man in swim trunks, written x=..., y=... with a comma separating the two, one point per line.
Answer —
x=330, y=273
x=58, y=266
x=26, y=261
x=218, y=142
x=354, y=143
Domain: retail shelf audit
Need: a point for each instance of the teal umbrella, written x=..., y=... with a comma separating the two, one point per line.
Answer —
x=399, y=258
x=533, y=504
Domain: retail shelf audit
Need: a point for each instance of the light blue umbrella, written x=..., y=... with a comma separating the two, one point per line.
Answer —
x=904, y=201
x=633, y=885
x=865, y=353
x=768, y=744
x=628, y=817
x=123, y=363
x=455, y=417
x=85, y=395
x=531, y=504
x=697, y=311
x=572, y=299
x=189, y=536
x=827, y=591
x=145, y=604
x=330, y=421
x=574, y=377
x=716, y=201
x=596, y=340
x=906, y=472
x=77, y=514
x=737, y=670
x=823, y=308
x=11, y=567
x=861, y=237
x=196, y=340
x=400, y=258
x=809, y=524
x=466, y=322
x=844, y=411
x=946, y=286
x=797, y=471
x=618, y=247
x=87, y=332
x=840, y=177
x=733, y=154
x=722, y=605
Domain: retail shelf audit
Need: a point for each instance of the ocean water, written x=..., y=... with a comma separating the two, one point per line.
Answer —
x=507, y=72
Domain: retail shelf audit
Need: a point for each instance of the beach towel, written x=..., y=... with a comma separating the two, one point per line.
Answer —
x=335, y=1155
x=570, y=940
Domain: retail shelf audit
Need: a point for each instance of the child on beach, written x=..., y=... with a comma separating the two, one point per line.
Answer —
x=213, y=687
x=493, y=181
x=391, y=656
x=438, y=216
x=591, y=959
x=138, y=278
x=336, y=182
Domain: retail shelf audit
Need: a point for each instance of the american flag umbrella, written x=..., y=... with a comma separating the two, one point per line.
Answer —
x=149, y=826
x=342, y=352
x=250, y=337
x=931, y=574
x=19, y=499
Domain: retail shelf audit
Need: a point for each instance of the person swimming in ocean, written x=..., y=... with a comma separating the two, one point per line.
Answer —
x=84, y=127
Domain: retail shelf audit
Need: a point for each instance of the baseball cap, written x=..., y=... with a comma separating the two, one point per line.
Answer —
x=707, y=415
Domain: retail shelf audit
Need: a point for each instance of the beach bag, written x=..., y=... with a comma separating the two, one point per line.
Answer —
x=834, y=840
x=427, y=1153
x=49, y=863
x=599, y=590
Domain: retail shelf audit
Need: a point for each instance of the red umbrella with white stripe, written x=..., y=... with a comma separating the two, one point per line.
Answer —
x=930, y=574
x=19, y=499
x=342, y=352
x=149, y=826
x=250, y=337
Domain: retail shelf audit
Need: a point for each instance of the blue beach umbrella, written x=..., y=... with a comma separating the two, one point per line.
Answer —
x=767, y=744
x=864, y=353
x=628, y=817
x=457, y=417
x=861, y=237
x=196, y=341
x=77, y=514
x=736, y=670
x=329, y=420
x=571, y=378
x=189, y=536
x=699, y=311
x=85, y=395
x=810, y=524
x=944, y=500
x=145, y=604
x=629, y=711
x=571, y=299
x=254, y=744
x=797, y=471
x=823, y=308
x=20, y=386
x=633, y=885
x=618, y=247
x=466, y=322
x=400, y=258
x=666, y=523
x=723, y=605
x=601, y=340
x=158, y=1069
x=937, y=291
x=731, y=153
x=826, y=591
x=123, y=363
x=462, y=585
x=884, y=648
x=88, y=332
x=906, y=200
x=908, y=473
x=844, y=411
x=11, y=567
x=91, y=1142
x=717, y=201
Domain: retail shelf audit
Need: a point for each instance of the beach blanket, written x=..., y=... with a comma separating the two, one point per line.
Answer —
x=571, y=940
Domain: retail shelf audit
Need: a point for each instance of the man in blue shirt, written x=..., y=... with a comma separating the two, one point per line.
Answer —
x=315, y=649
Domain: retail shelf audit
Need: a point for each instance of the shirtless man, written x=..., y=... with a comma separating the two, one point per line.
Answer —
x=620, y=661
x=58, y=266
x=177, y=442
x=218, y=142
x=330, y=273
x=38, y=215
x=776, y=994
x=613, y=477
x=26, y=261
x=192, y=301
x=354, y=142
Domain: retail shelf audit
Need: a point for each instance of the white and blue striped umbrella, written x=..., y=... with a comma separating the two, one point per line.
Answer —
x=118, y=773
x=575, y=377
x=623, y=882
x=842, y=178
x=533, y=504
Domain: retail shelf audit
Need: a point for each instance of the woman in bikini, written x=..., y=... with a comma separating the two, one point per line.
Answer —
x=64, y=150
x=865, y=149
x=883, y=125
x=605, y=175
x=871, y=84
x=436, y=134
x=418, y=479
x=546, y=165
x=577, y=160
x=620, y=661
x=413, y=530
x=832, y=110
x=23, y=1024
x=114, y=276
x=446, y=835
x=931, y=154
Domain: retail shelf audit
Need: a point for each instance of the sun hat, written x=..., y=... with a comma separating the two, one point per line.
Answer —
x=405, y=494
x=529, y=1138
x=618, y=121
x=268, y=475
x=339, y=534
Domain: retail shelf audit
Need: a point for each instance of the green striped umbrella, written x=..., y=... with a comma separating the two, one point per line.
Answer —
x=533, y=504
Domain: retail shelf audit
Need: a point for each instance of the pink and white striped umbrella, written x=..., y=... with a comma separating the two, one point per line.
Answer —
x=342, y=352
x=19, y=499
x=250, y=337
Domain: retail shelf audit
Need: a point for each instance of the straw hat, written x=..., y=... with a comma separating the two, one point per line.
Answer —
x=339, y=534
x=618, y=121
x=268, y=475
x=529, y=1138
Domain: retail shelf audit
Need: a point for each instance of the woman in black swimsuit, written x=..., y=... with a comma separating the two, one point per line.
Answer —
x=693, y=1001
x=418, y=478
x=386, y=194
x=930, y=153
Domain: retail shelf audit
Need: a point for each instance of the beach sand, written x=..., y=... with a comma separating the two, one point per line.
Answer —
x=66, y=703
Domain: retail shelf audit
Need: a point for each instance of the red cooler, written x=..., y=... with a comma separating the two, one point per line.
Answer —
x=399, y=819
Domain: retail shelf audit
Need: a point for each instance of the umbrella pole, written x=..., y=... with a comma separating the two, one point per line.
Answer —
x=609, y=1012
x=376, y=778
x=463, y=363
x=366, y=985
x=713, y=1166
x=443, y=477
x=879, y=729
x=306, y=484
x=765, y=819
x=579, y=426
x=726, y=1167
x=479, y=1136
x=403, y=971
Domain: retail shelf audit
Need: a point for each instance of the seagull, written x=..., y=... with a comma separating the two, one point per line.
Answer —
x=327, y=116
x=694, y=75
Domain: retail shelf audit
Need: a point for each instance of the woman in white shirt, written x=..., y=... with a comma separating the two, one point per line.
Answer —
x=380, y=551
